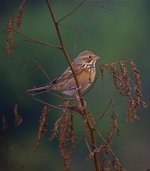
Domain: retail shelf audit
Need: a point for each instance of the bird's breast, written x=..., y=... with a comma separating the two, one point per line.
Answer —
x=86, y=78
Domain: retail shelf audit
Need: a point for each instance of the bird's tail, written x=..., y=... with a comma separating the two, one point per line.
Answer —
x=38, y=90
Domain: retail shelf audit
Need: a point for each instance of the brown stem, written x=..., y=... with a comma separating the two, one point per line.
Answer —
x=71, y=12
x=85, y=115
x=105, y=111
x=41, y=68
x=105, y=141
x=37, y=41
x=64, y=51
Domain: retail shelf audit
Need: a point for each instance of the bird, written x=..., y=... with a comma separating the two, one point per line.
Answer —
x=85, y=71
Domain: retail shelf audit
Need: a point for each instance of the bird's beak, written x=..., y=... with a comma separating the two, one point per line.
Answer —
x=97, y=57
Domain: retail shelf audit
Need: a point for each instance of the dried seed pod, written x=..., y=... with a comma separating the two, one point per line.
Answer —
x=4, y=123
x=117, y=165
x=66, y=135
x=122, y=82
x=43, y=125
x=118, y=82
x=20, y=14
x=132, y=107
x=125, y=80
x=138, y=87
x=10, y=42
x=18, y=117
x=56, y=129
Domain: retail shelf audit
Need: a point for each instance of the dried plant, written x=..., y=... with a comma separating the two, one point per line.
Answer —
x=18, y=117
x=14, y=23
x=136, y=100
x=4, y=124
x=66, y=139
x=114, y=129
x=64, y=131
x=10, y=42
x=20, y=14
x=123, y=83
x=56, y=129
x=117, y=165
x=42, y=126
x=121, y=78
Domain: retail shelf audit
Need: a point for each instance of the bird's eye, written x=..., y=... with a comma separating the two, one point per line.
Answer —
x=90, y=57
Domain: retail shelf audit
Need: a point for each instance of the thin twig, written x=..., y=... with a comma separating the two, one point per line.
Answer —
x=98, y=6
x=37, y=41
x=87, y=144
x=104, y=140
x=60, y=107
x=71, y=12
x=107, y=107
x=75, y=28
x=94, y=5
x=45, y=103
x=41, y=68
x=61, y=96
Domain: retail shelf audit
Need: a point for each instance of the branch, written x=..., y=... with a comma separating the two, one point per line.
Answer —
x=37, y=41
x=104, y=140
x=97, y=6
x=107, y=107
x=65, y=52
x=71, y=12
x=41, y=68
x=60, y=107
x=94, y=5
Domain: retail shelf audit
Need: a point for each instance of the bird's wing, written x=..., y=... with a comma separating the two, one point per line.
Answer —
x=68, y=74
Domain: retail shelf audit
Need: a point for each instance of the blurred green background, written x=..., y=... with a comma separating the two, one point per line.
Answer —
x=114, y=30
